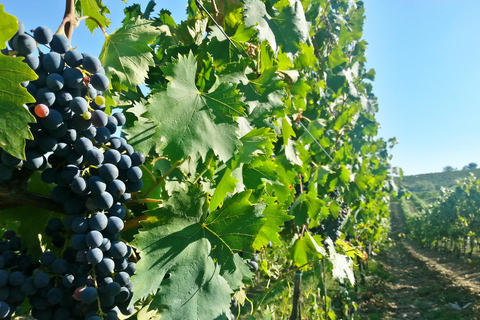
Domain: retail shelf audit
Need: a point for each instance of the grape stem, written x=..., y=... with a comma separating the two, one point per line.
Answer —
x=160, y=181
x=96, y=21
x=70, y=21
x=134, y=223
x=14, y=198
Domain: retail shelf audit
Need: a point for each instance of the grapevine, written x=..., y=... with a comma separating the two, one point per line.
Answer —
x=247, y=174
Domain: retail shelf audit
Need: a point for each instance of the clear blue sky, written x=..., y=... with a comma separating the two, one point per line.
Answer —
x=426, y=54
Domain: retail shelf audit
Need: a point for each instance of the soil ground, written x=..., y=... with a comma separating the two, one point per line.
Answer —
x=407, y=281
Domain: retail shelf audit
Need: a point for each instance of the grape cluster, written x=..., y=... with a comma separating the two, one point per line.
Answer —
x=95, y=171
x=15, y=269
x=331, y=227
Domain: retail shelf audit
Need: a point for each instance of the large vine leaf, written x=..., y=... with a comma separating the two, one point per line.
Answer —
x=177, y=262
x=190, y=122
x=276, y=217
x=8, y=27
x=287, y=29
x=95, y=9
x=14, y=117
x=126, y=52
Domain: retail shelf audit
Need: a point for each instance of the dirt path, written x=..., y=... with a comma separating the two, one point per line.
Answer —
x=416, y=283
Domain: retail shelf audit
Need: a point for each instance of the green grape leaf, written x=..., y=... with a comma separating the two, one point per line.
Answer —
x=257, y=143
x=227, y=184
x=236, y=272
x=95, y=9
x=276, y=217
x=177, y=262
x=306, y=250
x=306, y=205
x=8, y=27
x=234, y=226
x=14, y=117
x=126, y=52
x=190, y=122
x=287, y=29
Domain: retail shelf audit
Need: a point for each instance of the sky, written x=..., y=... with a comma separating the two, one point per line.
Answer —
x=426, y=54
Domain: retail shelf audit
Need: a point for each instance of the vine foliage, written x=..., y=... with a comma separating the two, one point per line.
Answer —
x=254, y=112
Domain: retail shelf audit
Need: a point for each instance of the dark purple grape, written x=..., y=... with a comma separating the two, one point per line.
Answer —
x=53, y=62
x=103, y=201
x=100, y=82
x=108, y=172
x=89, y=295
x=24, y=44
x=43, y=35
x=73, y=58
x=94, y=239
x=73, y=78
x=60, y=43
x=97, y=221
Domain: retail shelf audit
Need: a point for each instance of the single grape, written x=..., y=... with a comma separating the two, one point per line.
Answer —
x=112, y=156
x=52, y=121
x=16, y=278
x=116, y=188
x=68, y=280
x=117, y=210
x=89, y=295
x=118, y=249
x=96, y=185
x=4, y=310
x=99, y=118
x=24, y=44
x=52, y=62
x=106, y=266
x=97, y=221
x=47, y=258
x=54, y=296
x=108, y=172
x=43, y=35
x=73, y=58
x=73, y=78
x=34, y=160
x=33, y=61
x=134, y=174
x=45, y=96
x=100, y=82
x=9, y=160
x=125, y=162
x=99, y=100
x=60, y=43
x=103, y=201
x=94, y=156
x=82, y=145
x=78, y=241
x=115, y=224
x=91, y=63
x=253, y=265
x=55, y=82
x=95, y=255
x=94, y=239
x=120, y=118
x=102, y=136
x=79, y=186
x=41, y=280
x=6, y=173
x=79, y=105
x=60, y=266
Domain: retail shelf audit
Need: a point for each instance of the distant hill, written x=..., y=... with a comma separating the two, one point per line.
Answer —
x=427, y=186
